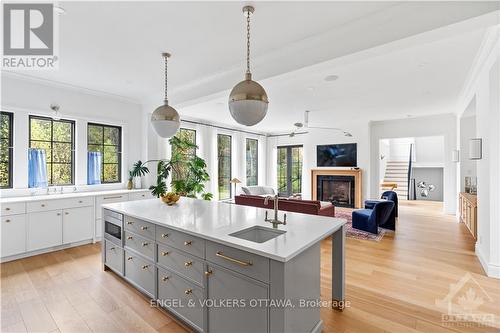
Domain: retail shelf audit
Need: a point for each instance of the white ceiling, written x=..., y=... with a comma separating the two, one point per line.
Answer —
x=115, y=47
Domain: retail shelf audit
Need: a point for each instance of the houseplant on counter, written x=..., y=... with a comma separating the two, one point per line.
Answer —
x=189, y=172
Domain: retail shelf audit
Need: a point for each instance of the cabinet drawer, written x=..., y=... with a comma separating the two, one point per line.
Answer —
x=77, y=202
x=104, y=199
x=243, y=262
x=140, y=272
x=13, y=208
x=175, y=288
x=113, y=256
x=139, y=227
x=182, y=263
x=142, y=245
x=13, y=234
x=139, y=196
x=180, y=240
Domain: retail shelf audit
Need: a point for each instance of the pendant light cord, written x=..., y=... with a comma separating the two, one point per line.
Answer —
x=166, y=78
x=248, y=41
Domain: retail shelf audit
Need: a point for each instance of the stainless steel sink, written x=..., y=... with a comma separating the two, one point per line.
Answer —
x=257, y=234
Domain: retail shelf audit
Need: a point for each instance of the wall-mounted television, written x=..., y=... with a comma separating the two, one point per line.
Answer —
x=341, y=155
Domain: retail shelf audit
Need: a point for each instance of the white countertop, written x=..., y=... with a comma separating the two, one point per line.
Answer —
x=214, y=221
x=31, y=198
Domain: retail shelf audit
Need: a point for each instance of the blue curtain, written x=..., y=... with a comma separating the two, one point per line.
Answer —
x=37, y=168
x=94, y=161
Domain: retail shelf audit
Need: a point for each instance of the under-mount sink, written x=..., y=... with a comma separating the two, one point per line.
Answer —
x=257, y=234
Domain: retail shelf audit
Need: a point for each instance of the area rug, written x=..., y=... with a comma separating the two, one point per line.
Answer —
x=355, y=233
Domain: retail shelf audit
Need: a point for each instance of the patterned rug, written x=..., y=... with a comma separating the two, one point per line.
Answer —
x=345, y=213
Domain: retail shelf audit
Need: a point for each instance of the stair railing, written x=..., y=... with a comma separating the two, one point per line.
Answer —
x=409, y=172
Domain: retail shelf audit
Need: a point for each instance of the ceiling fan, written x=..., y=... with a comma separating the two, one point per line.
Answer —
x=305, y=125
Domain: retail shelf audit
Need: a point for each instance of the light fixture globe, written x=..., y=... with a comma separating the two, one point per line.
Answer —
x=165, y=121
x=248, y=102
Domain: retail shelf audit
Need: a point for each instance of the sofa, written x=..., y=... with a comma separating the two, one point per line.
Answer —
x=312, y=207
x=258, y=190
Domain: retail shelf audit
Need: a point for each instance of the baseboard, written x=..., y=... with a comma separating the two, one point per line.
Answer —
x=490, y=269
x=47, y=250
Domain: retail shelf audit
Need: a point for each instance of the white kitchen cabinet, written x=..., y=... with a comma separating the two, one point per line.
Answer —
x=13, y=231
x=105, y=199
x=77, y=224
x=98, y=229
x=44, y=230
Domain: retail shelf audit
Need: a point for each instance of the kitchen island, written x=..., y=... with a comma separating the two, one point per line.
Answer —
x=221, y=267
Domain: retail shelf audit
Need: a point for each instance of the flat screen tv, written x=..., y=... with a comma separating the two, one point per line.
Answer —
x=341, y=155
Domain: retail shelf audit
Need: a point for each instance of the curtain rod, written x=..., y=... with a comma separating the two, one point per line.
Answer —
x=222, y=127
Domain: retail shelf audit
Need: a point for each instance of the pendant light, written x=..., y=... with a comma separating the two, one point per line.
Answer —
x=248, y=100
x=165, y=119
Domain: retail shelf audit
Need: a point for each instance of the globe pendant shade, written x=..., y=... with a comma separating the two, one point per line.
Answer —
x=165, y=121
x=248, y=102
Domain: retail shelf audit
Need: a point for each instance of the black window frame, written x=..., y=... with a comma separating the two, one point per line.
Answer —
x=288, y=173
x=256, y=161
x=10, y=168
x=73, y=129
x=119, y=152
x=230, y=165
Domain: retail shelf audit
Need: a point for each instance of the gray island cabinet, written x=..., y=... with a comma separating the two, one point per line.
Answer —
x=189, y=260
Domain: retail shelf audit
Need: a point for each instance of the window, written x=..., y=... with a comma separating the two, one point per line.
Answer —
x=107, y=140
x=6, y=134
x=289, y=170
x=187, y=135
x=57, y=138
x=252, y=160
x=224, y=165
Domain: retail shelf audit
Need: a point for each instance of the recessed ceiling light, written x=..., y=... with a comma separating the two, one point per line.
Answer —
x=330, y=78
x=59, y=10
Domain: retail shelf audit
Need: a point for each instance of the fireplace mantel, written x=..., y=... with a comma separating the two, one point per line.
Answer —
x=338, y=172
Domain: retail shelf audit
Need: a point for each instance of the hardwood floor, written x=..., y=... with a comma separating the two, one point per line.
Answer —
x=392, y=285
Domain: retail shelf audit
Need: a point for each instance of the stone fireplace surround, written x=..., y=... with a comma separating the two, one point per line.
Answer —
x=356, y=174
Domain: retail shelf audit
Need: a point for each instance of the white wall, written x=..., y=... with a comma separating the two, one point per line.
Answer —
x=467, y=132
x=24, y=97
x=483, y=88
x=429, y=151
x=385, y=152
x=358, y=128
x=441, y=125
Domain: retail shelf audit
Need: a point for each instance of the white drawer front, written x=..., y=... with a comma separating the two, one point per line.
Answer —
x=139, y=195
x=13, y=235
x=104, y=199
x=12, y=208
x=46, y=205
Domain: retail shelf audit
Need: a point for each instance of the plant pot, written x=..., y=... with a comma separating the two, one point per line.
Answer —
x=137, y=182
x=129, y=185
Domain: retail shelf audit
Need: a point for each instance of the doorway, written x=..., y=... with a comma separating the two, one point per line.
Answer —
x=290, y=171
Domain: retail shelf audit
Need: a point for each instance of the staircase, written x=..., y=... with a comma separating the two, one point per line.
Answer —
x=397, y=172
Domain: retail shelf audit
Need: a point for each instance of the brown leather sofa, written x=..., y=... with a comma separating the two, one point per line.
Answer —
x=290, y=205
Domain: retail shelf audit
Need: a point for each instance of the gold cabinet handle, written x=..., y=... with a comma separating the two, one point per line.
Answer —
x=80, y=201
x=58, y=214
x=7, y=208
x=115, y=197
x=66, y=213
x=7, y=221
x=129, y=237
x=188, y=263
x=112, y=248
x=208, y=272
x=165, y=278
x=130, y=222
x=144, y=228
x=188, y=291
x=165, y=253
x=188, y=243
x=129, y=258
x=145, y=266
x=236, y=261
x=43, y=205
x=145, y=244
x=164, y=235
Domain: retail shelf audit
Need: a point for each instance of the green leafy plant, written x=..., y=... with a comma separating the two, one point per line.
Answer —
x=189, y=172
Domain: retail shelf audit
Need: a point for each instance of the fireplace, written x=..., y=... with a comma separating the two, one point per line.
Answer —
x=342, y=187
x=339, y=190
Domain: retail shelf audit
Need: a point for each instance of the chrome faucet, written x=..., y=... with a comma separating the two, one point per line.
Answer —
x=275, y=221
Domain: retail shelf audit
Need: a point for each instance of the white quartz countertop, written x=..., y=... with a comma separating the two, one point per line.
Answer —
x=214, y=221
x=44, y=197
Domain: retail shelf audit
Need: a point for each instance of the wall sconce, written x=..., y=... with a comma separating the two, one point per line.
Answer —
x=475, y=149
x=455, y=155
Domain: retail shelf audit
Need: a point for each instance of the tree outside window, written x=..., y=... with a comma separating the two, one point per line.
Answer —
x=185, y=135
x=6, y=147
x=107, y=140
x=252, y=161
x=224, y=165
x=57, y=138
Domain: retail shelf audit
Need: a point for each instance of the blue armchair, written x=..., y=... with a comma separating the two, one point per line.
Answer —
x=388, y=195
x=370, y=219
